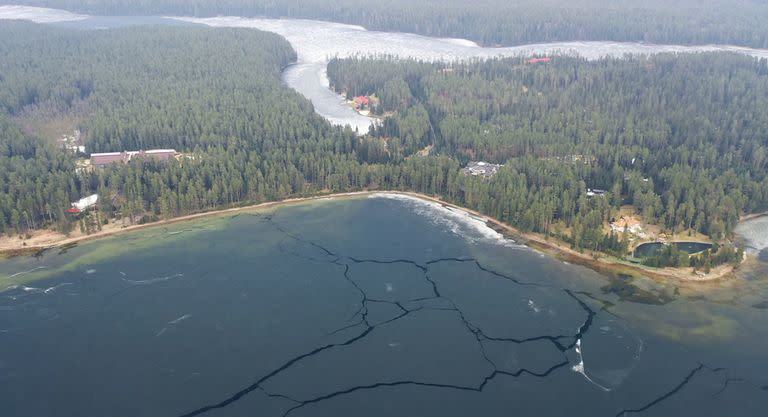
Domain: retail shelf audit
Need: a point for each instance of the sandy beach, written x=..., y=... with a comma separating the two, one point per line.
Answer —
x=46, y=239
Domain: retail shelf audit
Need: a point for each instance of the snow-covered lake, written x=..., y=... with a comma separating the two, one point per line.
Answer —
x=316, y=42
x=38, y=14
x=754, y=233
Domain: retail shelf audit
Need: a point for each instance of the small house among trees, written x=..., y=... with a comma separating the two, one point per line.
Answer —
x=481, y=168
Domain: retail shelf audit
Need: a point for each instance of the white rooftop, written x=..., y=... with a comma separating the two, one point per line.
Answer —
x=131, y=153
x=86, y=202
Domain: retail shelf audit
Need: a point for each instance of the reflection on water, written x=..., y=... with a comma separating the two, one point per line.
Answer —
x=371, y=306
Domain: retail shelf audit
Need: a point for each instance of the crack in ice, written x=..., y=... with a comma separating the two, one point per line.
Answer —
x=367, y=328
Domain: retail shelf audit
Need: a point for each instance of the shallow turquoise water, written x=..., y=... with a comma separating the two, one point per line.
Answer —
x=374, y=307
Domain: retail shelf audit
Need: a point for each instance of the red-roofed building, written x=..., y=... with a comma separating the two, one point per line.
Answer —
x=102, y=159
x=538, y=60
x=361, y=101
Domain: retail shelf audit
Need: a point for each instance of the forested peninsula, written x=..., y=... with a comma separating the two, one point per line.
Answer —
x=675, y=140
x=489, y=22
x=668, y=140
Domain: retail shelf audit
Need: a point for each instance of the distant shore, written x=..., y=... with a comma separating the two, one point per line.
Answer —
x=46, y=239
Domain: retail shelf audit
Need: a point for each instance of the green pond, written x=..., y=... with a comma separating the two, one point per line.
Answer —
x=650, y=249
x=381, y=306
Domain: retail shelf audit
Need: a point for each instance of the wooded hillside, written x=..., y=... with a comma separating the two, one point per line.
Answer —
x=680, y=137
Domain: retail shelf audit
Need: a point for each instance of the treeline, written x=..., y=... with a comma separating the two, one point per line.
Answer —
x=154, y=87
x=680, y=137
x=215, y=94
x=246, y=137
x=490, y=22
x=671, y=256
x=37, y=182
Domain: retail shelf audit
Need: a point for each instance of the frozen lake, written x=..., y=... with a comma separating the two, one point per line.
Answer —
x=754, y=233
x=381, y=306
x=316, y=42
x=374, y=306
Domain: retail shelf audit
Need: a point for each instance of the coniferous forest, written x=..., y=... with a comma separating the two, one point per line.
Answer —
x=370, y=208
x=215, y=94
x=489, y=22
x=679, y=137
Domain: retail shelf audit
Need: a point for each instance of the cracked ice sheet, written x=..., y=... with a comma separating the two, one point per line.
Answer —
x=392, y=281
x=248, y=312
x=555, y=396
x=609, y=352
x=391, y=352
x=708, y=388
x=379, y=313
x=538, y=356
x=436, y=240
x=664, y=372
x=267, y=404
x=508, y=310
x=258, y=283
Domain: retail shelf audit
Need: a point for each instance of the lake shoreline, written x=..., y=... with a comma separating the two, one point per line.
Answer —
x=601, y=263
x=11, y=247
x=752, y=216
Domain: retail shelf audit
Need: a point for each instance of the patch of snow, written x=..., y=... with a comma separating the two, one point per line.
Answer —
x=754, y=233
x=38, y=14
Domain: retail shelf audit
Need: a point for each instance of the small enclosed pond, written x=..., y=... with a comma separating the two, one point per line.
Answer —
x=650, y=249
